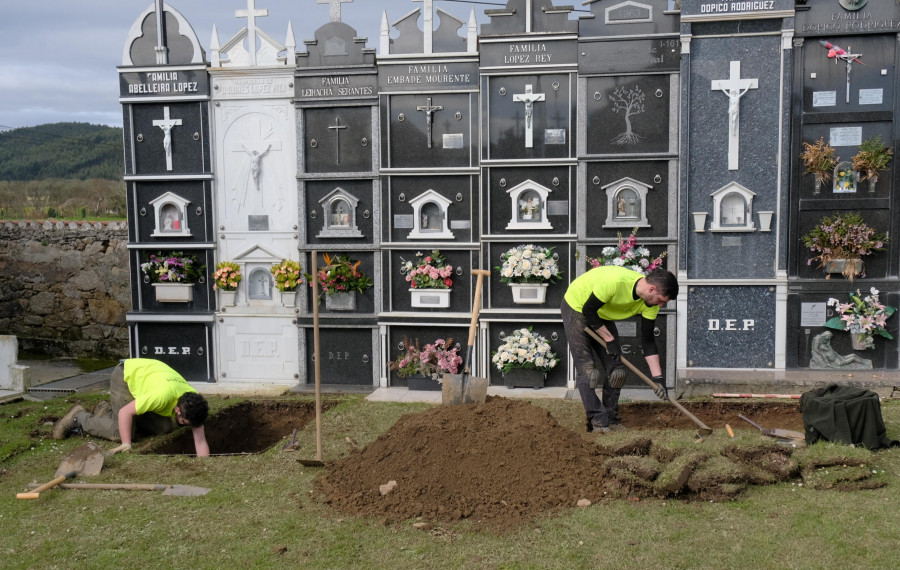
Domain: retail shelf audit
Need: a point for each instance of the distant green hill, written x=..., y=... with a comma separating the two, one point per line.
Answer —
x=72, y=151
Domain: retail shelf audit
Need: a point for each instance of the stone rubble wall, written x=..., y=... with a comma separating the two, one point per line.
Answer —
x=64, y=287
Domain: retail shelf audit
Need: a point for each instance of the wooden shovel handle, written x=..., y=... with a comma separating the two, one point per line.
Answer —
x=36, y=493
x=116, y=486
x=476, y=304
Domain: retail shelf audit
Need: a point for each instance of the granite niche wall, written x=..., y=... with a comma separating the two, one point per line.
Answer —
x=64, y=287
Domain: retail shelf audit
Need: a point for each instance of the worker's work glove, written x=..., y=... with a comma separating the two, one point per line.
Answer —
x=660, y=389
x=612, y=348
x=120, y=449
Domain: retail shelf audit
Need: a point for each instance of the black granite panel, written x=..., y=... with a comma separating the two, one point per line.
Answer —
x=630, y=19
x=803, y=326
x=656, y=54
x=505, y=119
x=396, y=288
x=315, y=213
x=825, y=79
x=462, y=213
x=187, y=140
x=501, y=296
x=554, y=334
x=432, y=130
x=498, y=208
x=653, y=173
x=737, y=27
x=347, y=356
x=830, y=19
x=338, y=139
x=186, y=347
x=197, y=214
x=398, y=335
x=731, y=327
x=365, y=301
x=143, y=295
x=628, y=114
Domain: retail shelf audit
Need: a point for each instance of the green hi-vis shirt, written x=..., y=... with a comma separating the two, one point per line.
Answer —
x=154, y=385
x=613, y=285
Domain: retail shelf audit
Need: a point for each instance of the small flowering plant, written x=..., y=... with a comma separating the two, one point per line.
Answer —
x=287, y=274
x=341, y=274
x=432, y=359
x=524, y=349
x=227, y=276
x=173, y=267
x=430, y=271
x=528, y=264
x=862, y=315
x=843, y=236
x=627, y=253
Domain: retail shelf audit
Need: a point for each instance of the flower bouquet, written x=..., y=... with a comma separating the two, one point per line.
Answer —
x=819, y=160
x=174, y=267
x=528, y=264
x=287, y=274
x=628, y=254
x=341, y=274
x=428, y=272
x=524, y=349
x=843, y=237
x=873, y=157
x=862, y=316
x=430, y=361
x=227, y=276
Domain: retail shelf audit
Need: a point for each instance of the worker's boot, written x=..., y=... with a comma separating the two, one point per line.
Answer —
x=67, y=423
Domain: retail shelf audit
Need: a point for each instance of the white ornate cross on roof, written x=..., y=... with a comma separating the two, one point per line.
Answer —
x=166, y=125
x=251, y=14
x=428, y=24
x=162, y=53
x=735, y=88
x=335, y=8
x=529, y=98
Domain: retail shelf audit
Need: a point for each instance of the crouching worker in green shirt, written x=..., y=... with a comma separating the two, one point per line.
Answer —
x=597, y=299
x=145, y=395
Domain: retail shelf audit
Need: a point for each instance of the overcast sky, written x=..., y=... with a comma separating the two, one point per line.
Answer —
x=58, y=58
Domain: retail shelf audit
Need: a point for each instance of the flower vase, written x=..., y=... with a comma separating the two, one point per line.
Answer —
x=529, y=293
x=226, y=298
x=860, y=341
x=430, y=298
x=524, y=377
x=174, y=292
x=341, y=301
x=288, y=298
x=844, y=266
x=422, y=382
x=872, y=182
x=818, y=187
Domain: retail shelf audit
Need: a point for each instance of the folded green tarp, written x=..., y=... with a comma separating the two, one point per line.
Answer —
x=844, y=414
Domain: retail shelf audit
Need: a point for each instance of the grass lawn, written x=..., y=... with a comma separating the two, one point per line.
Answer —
x=262, y=513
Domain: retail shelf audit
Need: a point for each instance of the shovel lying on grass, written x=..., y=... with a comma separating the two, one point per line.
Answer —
x=781, y=434
x=462, y=388
x=703, y=429
x=85, y=460
x=175, y=490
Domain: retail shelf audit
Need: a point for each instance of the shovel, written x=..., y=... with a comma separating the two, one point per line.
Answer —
x=85, y=460
x=703, y=428
x=317, y=462
x=460, y=388
x=774, y=432
x=174, y=490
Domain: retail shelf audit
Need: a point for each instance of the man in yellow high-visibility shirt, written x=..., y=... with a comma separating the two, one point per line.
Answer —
x=597, y=299
x=145, y=395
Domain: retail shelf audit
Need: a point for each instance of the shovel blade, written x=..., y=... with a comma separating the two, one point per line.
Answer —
x=452, y=389
x=185, y=490
x=84, y=460
x=475, y=391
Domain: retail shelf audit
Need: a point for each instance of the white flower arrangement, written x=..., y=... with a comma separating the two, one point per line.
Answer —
x=524, y=349
x=528, y=264
x=628, y=254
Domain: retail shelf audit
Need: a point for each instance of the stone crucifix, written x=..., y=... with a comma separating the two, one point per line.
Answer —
x=337, y=127
x=529, y=98
x=735, y=88
x=335, y=12
x=166, y=125
x=251, y=14
x=429, y=110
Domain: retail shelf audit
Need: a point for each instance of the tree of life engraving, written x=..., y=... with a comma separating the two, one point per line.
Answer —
x=629, y=102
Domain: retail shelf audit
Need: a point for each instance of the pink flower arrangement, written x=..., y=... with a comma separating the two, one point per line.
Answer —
x=429, y=272
x=436, y=358
x=629, y=255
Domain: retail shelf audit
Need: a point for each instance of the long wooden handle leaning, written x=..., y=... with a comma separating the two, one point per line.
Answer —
x=476, y=305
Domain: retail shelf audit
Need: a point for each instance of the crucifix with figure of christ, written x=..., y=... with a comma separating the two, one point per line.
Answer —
x=166, y=125
x=837, y=52
x=337, y=127
x=735, y=88
x=251, y=13
x=335, y=12
x=429, y=112
x=529, y=98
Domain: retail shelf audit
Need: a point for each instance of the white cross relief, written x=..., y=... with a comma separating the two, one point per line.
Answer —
x=429, y=113
x=335, y=11
x=735, y=88
x=337, y=127
x=251, y=14
x=255, y=146
x=529, y=98
x=166, y=125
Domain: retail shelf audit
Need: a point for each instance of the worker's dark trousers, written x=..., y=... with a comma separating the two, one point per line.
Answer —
x=106, y=425
x=588, y=356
